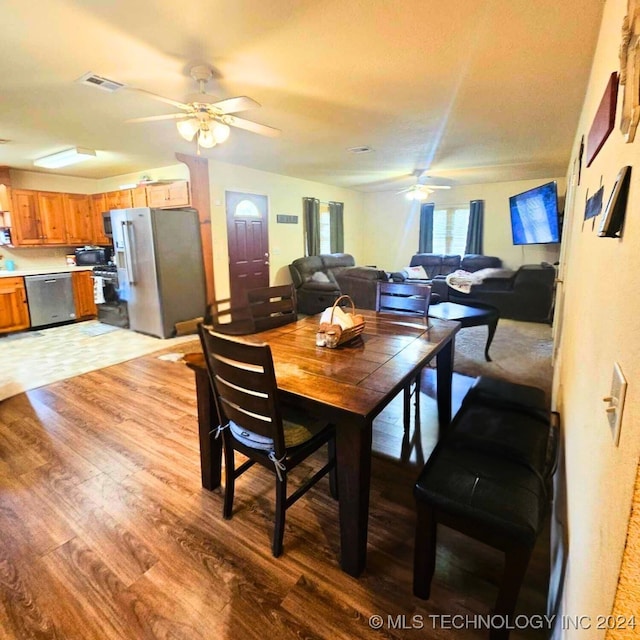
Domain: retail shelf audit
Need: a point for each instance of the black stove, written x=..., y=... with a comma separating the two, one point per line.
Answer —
x=111, y=309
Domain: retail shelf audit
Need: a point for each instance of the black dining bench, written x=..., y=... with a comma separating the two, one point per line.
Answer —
x=490, y=478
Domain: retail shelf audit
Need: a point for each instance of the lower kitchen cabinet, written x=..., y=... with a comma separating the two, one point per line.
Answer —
x=83, y=294
x=14, y=311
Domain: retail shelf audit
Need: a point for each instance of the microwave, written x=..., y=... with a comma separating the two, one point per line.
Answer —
x=93, y=256
x=106, y=224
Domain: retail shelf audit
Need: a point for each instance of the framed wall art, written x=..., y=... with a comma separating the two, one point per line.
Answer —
x=604, y=120
x=630, y=71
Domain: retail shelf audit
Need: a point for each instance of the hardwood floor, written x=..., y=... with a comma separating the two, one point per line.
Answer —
x=106, y=532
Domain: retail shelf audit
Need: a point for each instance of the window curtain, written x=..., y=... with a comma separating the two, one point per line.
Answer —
x=336, y=226
x=311, y=213
x=475, y=228
x=425, y=239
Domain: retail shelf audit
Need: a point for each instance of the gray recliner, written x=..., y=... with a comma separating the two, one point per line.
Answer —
x=320, y=280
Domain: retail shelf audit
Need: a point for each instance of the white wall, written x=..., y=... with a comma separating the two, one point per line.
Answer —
x=285, y=195
x=393, y=223
x=600, y=327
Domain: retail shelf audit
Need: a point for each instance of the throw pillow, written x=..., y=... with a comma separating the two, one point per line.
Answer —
x=318, y=276
x=417, y=273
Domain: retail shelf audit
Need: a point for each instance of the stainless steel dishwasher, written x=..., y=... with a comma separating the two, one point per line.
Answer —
x=50, y=299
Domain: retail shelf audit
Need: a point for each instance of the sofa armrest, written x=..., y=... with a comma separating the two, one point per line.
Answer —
x=439, y=288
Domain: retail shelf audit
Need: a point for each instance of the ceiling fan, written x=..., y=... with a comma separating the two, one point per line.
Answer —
x=206, y=117
x=421, y=191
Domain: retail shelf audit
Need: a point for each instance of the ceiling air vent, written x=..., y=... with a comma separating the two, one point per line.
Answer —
x=93, y=80
x=363, y=149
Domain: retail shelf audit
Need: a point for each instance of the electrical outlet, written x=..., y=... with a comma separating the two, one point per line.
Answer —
x=615, y=401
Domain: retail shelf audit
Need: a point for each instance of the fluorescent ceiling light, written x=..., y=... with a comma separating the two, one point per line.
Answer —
x=64, y=158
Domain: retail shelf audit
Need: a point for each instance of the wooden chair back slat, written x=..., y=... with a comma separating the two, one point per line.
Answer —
x=245, y=385
x=403, y=298
x=272, y=307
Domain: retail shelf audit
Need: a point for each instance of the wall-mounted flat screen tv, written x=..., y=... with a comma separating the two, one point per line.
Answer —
x=534, y=215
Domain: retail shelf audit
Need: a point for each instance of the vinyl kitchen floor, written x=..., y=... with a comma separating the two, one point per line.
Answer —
x=32, y=359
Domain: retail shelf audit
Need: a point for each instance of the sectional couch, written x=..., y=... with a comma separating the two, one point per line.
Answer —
x=524, y=294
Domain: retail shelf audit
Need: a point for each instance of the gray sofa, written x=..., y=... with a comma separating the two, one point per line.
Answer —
x=524, y=294
x=319, y=280
x=442, y=265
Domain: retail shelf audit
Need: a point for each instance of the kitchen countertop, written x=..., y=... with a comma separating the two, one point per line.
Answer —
x=4, y=273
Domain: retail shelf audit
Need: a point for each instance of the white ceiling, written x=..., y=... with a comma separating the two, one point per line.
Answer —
x=472, y=90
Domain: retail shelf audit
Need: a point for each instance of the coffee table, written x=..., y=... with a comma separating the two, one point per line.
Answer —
x=468, y=316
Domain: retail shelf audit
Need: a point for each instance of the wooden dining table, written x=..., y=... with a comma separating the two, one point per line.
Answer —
x=348, y=386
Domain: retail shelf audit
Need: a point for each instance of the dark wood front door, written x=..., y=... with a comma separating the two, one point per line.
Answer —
x=248, y=241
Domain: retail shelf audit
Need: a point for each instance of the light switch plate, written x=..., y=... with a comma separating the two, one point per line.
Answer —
x=616, y=402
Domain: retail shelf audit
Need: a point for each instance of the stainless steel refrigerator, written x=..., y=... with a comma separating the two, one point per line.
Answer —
x=158, y=255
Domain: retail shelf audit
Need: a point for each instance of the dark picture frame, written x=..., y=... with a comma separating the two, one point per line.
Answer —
x=604, y=120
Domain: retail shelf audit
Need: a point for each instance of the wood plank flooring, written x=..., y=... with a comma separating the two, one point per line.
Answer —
x=105, y=531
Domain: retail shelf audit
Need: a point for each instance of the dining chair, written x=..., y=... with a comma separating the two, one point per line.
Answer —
x=272, y=307
x=406, y=299
x=228, y=319
x=257, y=424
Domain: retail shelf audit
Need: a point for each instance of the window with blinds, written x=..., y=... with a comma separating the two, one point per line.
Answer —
x=450, y=230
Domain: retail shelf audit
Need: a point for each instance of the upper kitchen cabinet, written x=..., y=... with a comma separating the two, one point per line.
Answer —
x=174, y=194
x=51, y=213
x=139, y=197
x=121, y=199
x=5, y=198
x=38, y=218
x=25, y=221
x=78, y=219
x=98, y=207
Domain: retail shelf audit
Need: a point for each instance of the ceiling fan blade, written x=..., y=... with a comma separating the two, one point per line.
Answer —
x=233, y=105
x=170, y=116
x=254, y=127
x=436, y=186
x=175, y=103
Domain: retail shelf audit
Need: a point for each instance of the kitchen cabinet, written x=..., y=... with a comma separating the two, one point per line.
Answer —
x=25, y=223
x=38, y=218
x=82, y=282
x=51, y=214
x=98, y=207
x=5, y=198
x=14, y=311
x=174, y=194
x=78, y=219
x=121, y=199
x=139, y=197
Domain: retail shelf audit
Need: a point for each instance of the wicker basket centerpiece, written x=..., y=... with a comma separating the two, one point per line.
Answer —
x=348, y=327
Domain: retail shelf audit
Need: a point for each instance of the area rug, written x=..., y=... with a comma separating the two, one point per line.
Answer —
x=520, y=352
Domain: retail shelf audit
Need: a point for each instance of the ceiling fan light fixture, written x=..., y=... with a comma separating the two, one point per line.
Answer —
x=418, y=194
x=221, y=132
x=206, y=138
x=65, y=158
x=188, y=128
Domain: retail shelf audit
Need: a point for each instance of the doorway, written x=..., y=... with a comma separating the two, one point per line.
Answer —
x=248, y=242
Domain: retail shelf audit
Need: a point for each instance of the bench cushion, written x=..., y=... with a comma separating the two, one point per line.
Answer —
x=501, y=393
x=512, y=435
x=491, y=492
